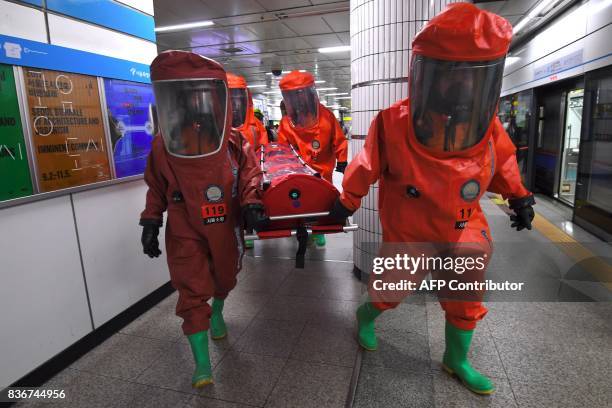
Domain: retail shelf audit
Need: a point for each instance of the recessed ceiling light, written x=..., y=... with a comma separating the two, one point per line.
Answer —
x=340, y=48
x=326, y=89
x=257, y=86
x=185, y=26
x=320, y=81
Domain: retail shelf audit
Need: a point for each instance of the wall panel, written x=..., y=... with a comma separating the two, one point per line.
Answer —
x=118, y=273
x=42, y=295
x=21, y=21
x=86, y=37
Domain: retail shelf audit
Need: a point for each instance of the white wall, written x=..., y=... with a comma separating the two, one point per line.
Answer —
x=580, y=40
x=43, y=295
x=83, y=36
x=118, y=273
x=23, y=22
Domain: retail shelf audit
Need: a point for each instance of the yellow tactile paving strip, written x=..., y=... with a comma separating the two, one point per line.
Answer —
x=590, y=262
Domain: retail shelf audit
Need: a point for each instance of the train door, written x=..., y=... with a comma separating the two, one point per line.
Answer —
x=570, y=146
x=559, y=113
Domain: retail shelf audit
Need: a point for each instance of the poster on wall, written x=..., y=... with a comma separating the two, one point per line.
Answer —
x=130, y=107
x=67, y=129
x=15, y=178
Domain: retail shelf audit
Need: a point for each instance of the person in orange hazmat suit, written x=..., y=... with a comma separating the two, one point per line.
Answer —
x=243, y=117
x=205, y=175
x=244, y=120
x=311, y=128
x=434, y=155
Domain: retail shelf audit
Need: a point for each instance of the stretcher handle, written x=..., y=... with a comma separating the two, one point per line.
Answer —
x=346, y=228
x=294, y=216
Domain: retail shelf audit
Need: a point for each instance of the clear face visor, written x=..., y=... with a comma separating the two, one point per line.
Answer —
x=240, y=101
x=191, y=115
x=302, y=106
x=452, y=103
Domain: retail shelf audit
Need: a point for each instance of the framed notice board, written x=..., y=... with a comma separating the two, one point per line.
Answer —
x=130, y=117
x=15, y=179
x=69, y=143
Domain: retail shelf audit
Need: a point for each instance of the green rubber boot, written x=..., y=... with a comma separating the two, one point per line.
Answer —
x=199, y=346
x=217, y=324
x=455, y=360
x=366, y=313
x=319, y=239
x=249, y=244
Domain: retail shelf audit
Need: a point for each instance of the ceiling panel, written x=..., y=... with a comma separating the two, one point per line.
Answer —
x=339, y=22
x=323, y=40
x=308, y=25
x=224, y=8
x=221, y=35
x=517, y=7
x=270, y=29
x=345, y=38
x=272, y=5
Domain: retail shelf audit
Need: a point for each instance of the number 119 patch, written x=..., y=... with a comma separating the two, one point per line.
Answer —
x=214, y=213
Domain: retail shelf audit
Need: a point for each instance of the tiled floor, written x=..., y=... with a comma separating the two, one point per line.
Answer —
x=292, y=344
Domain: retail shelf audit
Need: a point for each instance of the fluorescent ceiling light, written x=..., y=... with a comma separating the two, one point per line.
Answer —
x=339, y=93
x=534, y=12
x=302, y=70
x=320, y=81
x=273, y=92
x=342, y=97
x=326, y=89
x=340, y=48
x=257, y=86
x=185, y=26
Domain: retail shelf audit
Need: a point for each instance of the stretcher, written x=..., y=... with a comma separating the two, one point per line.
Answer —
x=297, y=200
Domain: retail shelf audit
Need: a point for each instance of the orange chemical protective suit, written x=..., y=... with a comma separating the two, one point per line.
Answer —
x=309, y=126
x=243, y=117
x=434, y=163
x=202, y=181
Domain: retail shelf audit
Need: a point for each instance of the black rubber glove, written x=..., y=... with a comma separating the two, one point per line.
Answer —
x=523, y=211
x=339, y=212
x=254, y=217
x=150, y=243
x=341, y=166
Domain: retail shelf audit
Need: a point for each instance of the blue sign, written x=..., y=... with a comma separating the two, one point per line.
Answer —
x=17, y=51
x=130, y=115
x=560, y=64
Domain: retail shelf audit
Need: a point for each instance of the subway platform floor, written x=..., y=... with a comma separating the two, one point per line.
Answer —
x=291, y=343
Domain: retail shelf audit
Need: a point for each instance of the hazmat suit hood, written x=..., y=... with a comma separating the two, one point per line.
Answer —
x=193, y=105
x=242, y=104
x=301, y=99
x=455, y=77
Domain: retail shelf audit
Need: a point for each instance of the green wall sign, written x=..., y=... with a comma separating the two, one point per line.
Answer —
x=15, y=178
